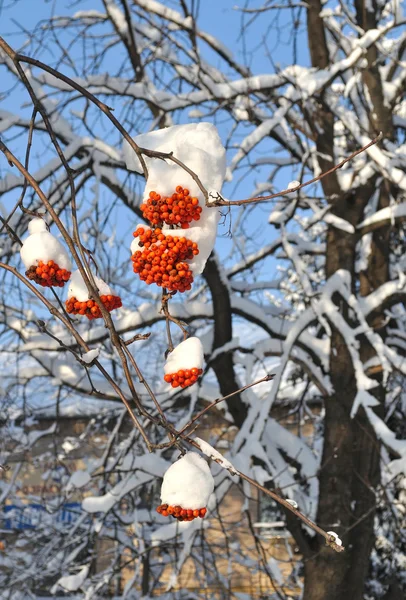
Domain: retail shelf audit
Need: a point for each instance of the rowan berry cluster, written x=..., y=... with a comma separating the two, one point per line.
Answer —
x=181, y=514
x=90, y=308
x=183, y=378
x=178, y=209
x=162, y=257
x=48, y=274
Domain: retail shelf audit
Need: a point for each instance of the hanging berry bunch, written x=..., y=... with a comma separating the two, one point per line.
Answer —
x=184, y=364
x=179, y=209
x=161, y=259
x=44, y=257
x=183, y=378
x=79, y=303
x=186, y=488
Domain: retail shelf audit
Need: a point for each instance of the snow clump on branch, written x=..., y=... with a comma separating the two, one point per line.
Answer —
x=199, y=147
x=44, y=257
x=185, y=363
x=79, y=303
x=186, y=488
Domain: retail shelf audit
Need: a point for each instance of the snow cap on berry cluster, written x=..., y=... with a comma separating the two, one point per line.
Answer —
x=187, y=355
x=77, y=287
x=199, y=147
x=41, y=245
x=188, y=483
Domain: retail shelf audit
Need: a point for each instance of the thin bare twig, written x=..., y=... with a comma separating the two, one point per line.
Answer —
x=218, y=200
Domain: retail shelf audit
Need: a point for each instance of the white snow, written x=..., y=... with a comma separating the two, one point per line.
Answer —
x=388, y=213
x=363, y=398
x=36, y=226
x=187, y=355
x=77, y=287
x=339, y=223
x=41, y=245
x=209, y=451
x=292, y=503
x=293, y=184
x=188, y=483
x=336, y=538
x=71, y=583
x=199, y=147
x=89, y=356
x=117, y=17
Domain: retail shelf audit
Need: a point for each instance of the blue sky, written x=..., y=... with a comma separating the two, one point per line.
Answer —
x=218, y=17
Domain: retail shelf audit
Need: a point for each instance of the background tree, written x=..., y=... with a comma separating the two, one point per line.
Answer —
x=329, y=321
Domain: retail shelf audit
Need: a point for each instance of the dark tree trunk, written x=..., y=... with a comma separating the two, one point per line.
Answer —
x=223, y=365
x=350, y=468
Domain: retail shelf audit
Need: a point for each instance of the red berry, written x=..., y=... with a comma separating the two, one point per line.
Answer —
x=48, y=274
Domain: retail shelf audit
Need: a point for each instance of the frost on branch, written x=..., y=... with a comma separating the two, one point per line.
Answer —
x=185, y=363
x=215, y=455
x=79, y=303
x=198, y=146
x=44, y=257
x=186, y=488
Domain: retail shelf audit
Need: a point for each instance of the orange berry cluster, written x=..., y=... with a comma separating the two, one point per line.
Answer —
x=178, y=209
x=183, y=378
x=181, y=514
x=48, y=274
x=161, y=259
x=90, y=308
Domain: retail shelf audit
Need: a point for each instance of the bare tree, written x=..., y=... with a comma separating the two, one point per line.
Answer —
x=329, y=322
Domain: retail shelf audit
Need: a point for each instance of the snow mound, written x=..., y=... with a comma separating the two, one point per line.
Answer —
x=90, y=356
x=41, y=245
x=188, y=483
x=187, y=355
x=36, y=226
x=71, y=583
x=199, y=147
x=77, y=287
